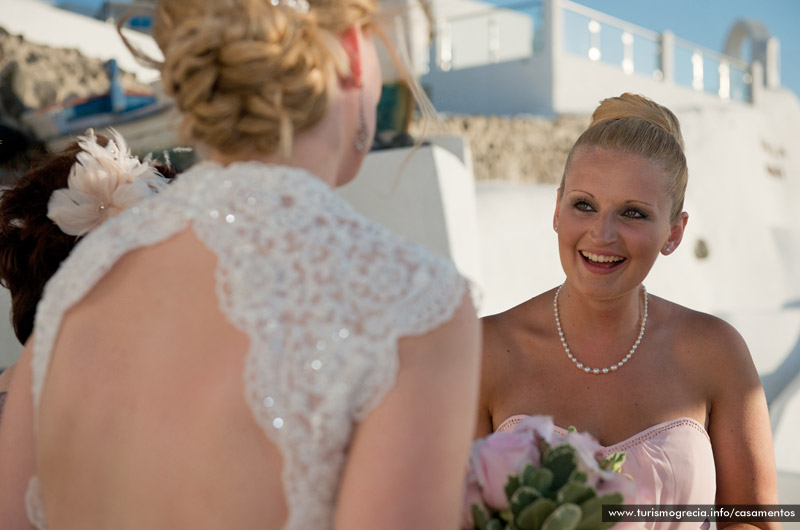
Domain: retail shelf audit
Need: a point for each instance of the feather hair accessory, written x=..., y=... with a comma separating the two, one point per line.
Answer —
x=101, y=183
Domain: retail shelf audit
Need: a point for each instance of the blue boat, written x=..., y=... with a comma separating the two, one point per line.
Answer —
x=74, y=116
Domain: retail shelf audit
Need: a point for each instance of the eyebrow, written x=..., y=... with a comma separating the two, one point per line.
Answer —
x=630, y=201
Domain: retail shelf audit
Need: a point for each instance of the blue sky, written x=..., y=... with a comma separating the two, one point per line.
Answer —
x=707, y=23
x=704, y=22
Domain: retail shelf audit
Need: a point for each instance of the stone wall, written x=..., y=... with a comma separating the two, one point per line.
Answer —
x=519, y=149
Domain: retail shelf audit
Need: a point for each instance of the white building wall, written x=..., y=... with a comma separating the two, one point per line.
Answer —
x=506, y=88
x=426, y=194
x=528, y=86
x=581, y=84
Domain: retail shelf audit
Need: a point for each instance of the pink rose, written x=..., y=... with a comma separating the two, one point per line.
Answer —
x=496, y=457
x=589, y=450
x=541, y=426
x=472, y=495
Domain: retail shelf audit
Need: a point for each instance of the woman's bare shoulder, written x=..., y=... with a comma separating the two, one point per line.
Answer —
x=720, y=350
x=509, y=336
x=701, y=328
x=528, y=315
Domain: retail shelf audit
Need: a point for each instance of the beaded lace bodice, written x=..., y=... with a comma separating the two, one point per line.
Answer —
x=322, y=292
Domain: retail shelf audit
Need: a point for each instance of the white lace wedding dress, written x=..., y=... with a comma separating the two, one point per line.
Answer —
x=322, y=292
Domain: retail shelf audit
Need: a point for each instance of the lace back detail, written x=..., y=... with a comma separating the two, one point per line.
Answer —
x=323, y=294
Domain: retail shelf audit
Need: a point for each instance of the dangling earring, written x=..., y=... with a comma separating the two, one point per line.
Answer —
x=361, y=137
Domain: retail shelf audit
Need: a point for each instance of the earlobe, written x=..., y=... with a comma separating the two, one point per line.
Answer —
x=675, y=235
x=558, y=209
x=351, y=42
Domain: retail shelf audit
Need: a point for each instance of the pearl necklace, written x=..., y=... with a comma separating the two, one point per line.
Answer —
x=613, y=367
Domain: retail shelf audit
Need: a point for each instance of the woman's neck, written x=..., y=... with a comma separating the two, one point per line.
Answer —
x=602, y=316
x=325, y=150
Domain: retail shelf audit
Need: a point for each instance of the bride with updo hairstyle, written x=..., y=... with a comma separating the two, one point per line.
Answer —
x=673, y=388
x=247, y=76
x=244, y=350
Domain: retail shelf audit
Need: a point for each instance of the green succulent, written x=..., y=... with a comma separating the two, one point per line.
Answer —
x=575, y=492
x=513, y=483
x=540, y=479
x=524, y=496
x=533, y=515
x=565, y=517
x=562, y=460
x=593, y=512
x=479, y=517
x=494, y=524
x=579, y=476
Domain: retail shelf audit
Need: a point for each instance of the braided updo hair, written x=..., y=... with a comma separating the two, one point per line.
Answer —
x=636, y=125
x=248, y=74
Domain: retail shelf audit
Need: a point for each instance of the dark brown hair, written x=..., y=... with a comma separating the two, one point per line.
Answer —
x=31, y=245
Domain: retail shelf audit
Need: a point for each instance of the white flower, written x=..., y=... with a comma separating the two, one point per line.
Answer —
x=102, y=182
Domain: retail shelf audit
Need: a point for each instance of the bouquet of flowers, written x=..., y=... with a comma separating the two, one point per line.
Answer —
x=531, y=479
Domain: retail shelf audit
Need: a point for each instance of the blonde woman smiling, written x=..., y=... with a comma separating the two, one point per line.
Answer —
x=674, y=388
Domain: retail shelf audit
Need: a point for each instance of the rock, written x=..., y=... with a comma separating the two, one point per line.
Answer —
x=34, y=76
x=518, y=149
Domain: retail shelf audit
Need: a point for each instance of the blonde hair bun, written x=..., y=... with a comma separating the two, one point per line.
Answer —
x=635, y=106
x=248, y=75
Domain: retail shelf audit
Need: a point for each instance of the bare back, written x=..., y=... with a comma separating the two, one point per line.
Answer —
x=204, y=360
x=145, y=397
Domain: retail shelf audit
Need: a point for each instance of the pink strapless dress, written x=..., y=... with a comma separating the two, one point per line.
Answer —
x=672, y=460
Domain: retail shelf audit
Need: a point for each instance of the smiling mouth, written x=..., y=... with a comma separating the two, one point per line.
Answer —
x=601, y=260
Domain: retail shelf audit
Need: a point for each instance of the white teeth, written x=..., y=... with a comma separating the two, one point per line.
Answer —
x=601, y=259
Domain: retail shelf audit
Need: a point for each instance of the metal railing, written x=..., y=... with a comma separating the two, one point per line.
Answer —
x=712, y=72
x=641, y=51
x=601, y=37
